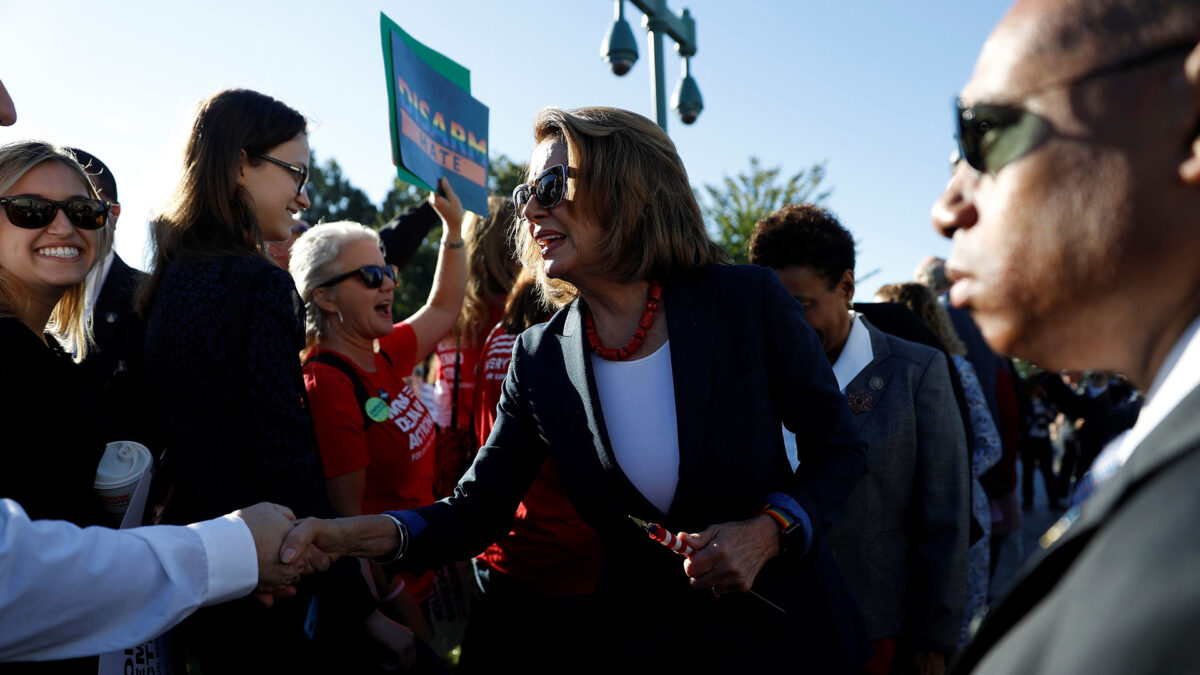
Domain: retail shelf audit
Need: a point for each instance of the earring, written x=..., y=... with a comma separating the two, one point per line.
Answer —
x=340, y=319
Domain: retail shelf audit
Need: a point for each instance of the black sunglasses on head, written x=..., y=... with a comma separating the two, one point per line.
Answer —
x=549, y=187
x=32, y=212
x=300, y=171
x=992, y=135
x=371, y=276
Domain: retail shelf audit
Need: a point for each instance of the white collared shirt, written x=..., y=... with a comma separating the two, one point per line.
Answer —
x=67, y=591
x=856, y=354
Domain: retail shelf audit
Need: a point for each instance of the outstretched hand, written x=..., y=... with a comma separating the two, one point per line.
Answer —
x=729, y=556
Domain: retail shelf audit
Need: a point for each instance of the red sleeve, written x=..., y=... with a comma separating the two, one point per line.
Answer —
x=401, y=348
x=337, y=420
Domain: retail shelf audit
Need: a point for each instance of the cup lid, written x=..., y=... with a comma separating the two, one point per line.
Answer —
x=123, y=461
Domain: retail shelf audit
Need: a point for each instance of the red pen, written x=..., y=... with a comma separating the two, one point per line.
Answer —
x=663, y=536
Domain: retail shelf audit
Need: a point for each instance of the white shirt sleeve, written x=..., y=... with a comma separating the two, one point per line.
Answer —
x=68, y=592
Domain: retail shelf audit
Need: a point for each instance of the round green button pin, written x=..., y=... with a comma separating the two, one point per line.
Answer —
x=376, y=409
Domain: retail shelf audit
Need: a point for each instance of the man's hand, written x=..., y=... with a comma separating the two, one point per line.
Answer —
x=729, y=556
x=269, y=524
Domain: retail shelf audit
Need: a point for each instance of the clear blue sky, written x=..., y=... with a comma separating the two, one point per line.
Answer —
x=866, y=85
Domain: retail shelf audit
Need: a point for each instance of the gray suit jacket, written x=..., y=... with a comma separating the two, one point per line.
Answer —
x=902, y=538
x=1117, y=588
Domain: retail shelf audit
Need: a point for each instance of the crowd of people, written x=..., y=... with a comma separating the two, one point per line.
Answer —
x=834, y=480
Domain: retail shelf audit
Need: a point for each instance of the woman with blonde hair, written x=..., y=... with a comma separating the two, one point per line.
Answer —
x=657, y=391
x=52, y=231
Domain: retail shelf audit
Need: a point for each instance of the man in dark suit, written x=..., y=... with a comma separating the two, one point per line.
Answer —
x=113, y=365
x=1073, y=214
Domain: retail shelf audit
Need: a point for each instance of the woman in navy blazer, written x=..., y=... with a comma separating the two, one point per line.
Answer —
x=658, y=392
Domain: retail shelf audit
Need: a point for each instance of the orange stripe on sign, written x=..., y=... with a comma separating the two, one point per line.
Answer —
x=445, y=157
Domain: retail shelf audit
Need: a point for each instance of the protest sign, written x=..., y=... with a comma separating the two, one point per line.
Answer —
x=438, y=129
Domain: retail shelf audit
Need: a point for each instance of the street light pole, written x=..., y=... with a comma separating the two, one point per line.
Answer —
x=620, y=50
x=653, y=22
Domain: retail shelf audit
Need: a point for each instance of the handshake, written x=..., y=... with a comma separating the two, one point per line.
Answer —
x=289, y=549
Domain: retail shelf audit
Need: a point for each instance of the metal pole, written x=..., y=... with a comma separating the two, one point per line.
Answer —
x=658, y=76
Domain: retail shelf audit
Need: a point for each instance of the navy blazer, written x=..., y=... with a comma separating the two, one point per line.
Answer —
x=743, y=361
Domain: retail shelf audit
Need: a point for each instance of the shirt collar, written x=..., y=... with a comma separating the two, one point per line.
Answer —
x=856, y=355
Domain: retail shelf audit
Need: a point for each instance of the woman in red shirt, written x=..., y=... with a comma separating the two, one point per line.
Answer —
x=375, y=435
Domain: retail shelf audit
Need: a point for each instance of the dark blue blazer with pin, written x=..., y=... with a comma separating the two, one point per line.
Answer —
x=743, y=361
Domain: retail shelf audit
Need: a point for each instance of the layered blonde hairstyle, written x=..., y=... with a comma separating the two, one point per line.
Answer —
x=628, y=178
x=68, y=320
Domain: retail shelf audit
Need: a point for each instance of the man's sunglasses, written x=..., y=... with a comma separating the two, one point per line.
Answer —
x=371, y=276
x=32, y=212
x=300, y=172
x=549, y=188
x=991, y=136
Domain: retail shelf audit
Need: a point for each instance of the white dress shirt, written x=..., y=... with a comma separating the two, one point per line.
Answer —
x=68, y=592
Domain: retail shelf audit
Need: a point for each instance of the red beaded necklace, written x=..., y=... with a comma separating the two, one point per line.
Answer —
x=639, y=335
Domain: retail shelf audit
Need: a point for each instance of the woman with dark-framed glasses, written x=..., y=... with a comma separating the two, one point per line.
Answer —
x=657, y=392
x=224, y=330
x=52, y=231
x=375, y=435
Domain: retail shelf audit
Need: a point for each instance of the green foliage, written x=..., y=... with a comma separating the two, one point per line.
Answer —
x=416, y=279
x=732, y=208
x=334, y=198
x=504, y=175
x=400, y=198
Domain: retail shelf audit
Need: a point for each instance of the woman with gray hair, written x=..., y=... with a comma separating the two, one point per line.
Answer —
x=374, y=434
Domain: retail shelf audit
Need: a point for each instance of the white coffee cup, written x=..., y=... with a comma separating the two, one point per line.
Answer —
x=117, y=476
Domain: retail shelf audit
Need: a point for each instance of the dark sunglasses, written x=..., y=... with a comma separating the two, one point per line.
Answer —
x=992, y=135
x=300, y=171
x=371, y=276
x=32, y=212
x=549, y=188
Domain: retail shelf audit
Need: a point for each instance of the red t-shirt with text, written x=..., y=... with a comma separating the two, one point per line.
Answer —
x=397, y=453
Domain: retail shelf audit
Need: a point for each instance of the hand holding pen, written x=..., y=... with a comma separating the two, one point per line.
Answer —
x=705, y=572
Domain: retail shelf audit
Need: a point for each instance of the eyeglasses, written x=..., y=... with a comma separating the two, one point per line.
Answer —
x=992, y=135
x=371, y=276
x=300, y=171
x=32, y=212
x=549, y=188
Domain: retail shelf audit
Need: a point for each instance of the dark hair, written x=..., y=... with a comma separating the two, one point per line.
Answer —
x=101, y=175
x=806, y=235
x=209, y=213
x=630, y=180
